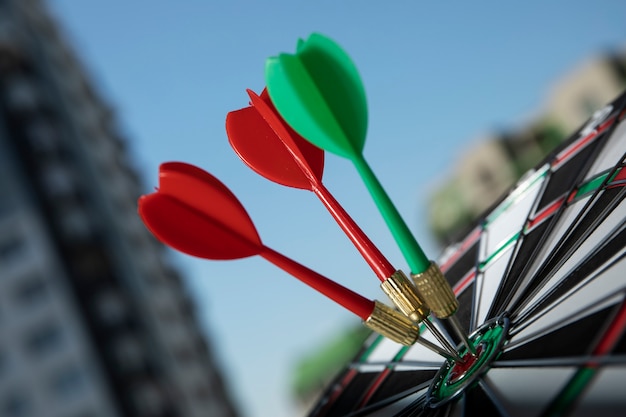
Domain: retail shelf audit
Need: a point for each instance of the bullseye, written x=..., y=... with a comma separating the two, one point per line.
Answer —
x=469, y=361
x=453, y=378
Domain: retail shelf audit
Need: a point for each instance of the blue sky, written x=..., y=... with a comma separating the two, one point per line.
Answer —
x=438, y=75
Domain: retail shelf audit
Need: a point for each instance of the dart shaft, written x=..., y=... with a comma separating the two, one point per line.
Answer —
x=458, y=329
x=412, y=252
x=441, y=338
x=376, y=260
x=438, y=350
x=350, y=300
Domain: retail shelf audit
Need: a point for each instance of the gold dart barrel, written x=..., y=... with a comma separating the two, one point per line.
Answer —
x=434, y=289
x=437, y=293
x=391, y=324
x=403, y=295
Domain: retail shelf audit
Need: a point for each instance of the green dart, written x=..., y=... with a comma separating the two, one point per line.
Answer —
x=319, y=93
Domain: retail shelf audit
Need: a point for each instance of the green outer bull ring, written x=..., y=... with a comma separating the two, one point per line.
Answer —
x=452, y=379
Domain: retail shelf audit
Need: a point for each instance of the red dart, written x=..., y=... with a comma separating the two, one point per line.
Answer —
x=274, y=150
x=268, y=145
x=193, y=212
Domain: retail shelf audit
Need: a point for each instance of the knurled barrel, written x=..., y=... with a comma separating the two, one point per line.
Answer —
x=391, y=324
x=404, y=295
x=436, y=292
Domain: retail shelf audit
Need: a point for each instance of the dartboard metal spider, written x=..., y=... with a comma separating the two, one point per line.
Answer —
x=542, y=287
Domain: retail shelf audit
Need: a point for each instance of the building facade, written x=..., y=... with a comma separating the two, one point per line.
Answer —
x=94, y=322
x=492, y=166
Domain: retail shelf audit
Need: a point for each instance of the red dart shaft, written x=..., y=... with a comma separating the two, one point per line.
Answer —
x=352, y=301
x=376, y=260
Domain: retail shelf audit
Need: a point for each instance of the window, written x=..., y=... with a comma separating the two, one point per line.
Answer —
x=76, y=223
x=15, y=404
x=4, y=362
x=148, y=400
x=44, y=340
x=90, y=262
x=57, y=179
x=129, y=352
x=111, y=307
x=68, y=382
x=30, y=290
x=42, y=135
x=186, y=354
x=11, y=247
x=21, y=94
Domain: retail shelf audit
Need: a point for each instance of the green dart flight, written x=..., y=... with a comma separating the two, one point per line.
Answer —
x=319, y=92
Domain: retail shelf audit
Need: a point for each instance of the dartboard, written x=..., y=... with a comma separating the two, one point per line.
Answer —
x=541, y=281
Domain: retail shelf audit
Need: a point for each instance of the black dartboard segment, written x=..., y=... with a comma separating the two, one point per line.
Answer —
x=551, y=257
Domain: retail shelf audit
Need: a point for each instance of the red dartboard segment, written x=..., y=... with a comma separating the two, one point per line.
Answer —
x=590, y=186
x=583, y=141
x=464, y=282
x=565, y=278
x=467, y=243
x=620, y=178
x=614, y=332
x=544, y=214
x=371, y=390
x=583, y=377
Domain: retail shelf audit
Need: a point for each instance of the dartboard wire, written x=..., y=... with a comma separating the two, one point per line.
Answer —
x=352, y=369
x=573, y=391
x=575, y=197
x=367, y=351
x=542, y=270
x=518, y=244
x=466, y=280
x=581, y=176
x=460, y=404
x=552, y=213
x=375, y=385
x=389, y=367
x=517, y=238
x=440, y=326
x=492, y=393
x=512, y=295
x=559, y=362
x=418, y=390
x=603, y=216
x=609, y=299
x=584, y=212
x=532, y=313
x=477, y=276
x=475, y=270
x=417, y=406
x=417, y=365
x=450, y=257
x=580, y=273
x=395, y=363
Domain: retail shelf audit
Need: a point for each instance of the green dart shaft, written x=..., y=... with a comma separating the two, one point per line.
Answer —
x=413, y=253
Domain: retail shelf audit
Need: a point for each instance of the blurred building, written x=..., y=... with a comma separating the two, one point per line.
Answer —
x=93, y=320
x=491, y=167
